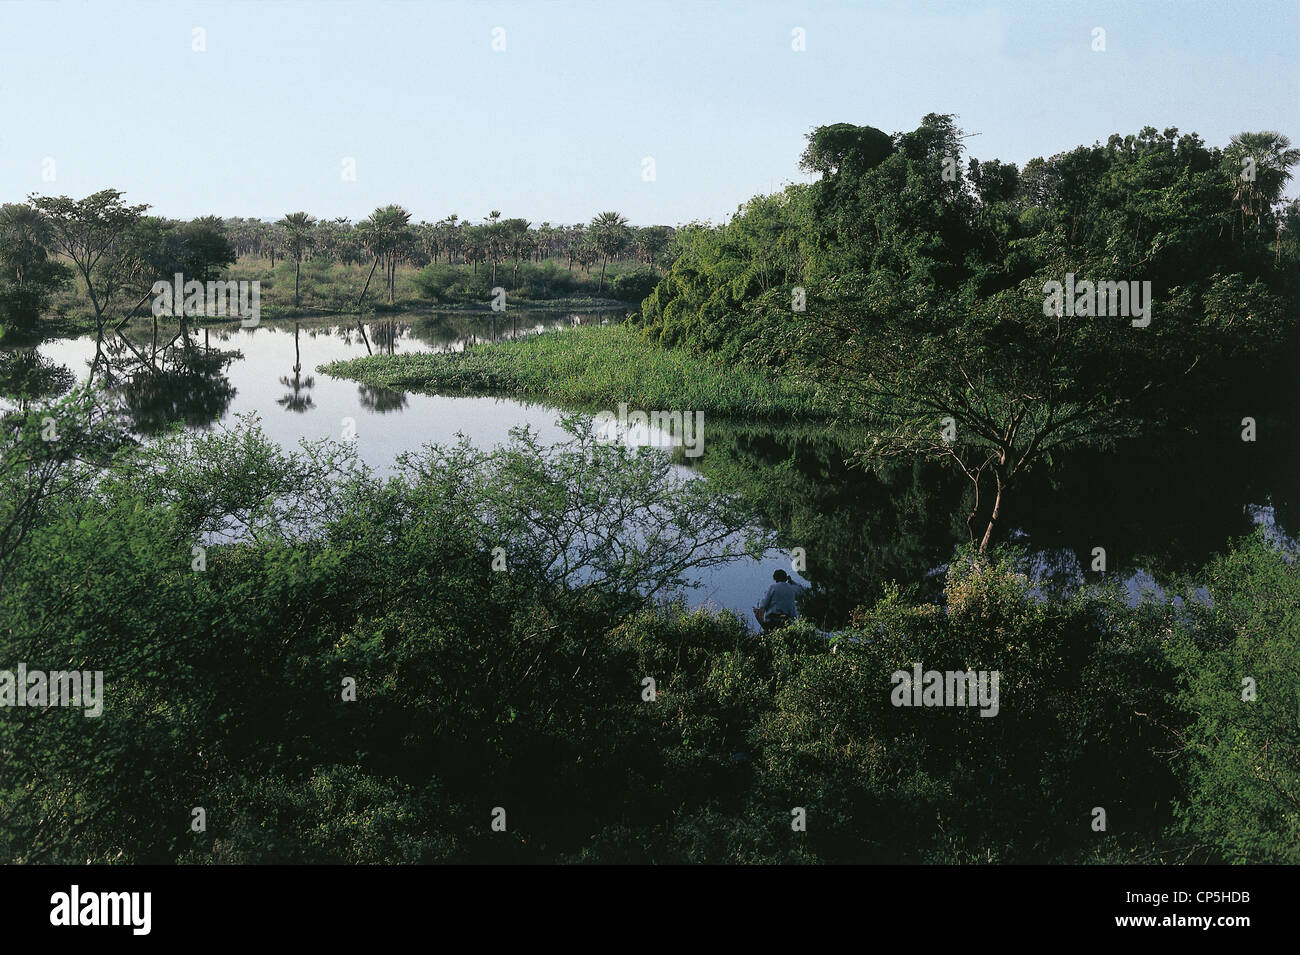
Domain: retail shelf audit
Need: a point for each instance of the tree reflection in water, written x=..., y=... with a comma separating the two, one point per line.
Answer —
x=298, y=399
x=181, y=381
x=26, y=377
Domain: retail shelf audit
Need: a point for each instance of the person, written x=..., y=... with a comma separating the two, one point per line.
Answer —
x=779, y=606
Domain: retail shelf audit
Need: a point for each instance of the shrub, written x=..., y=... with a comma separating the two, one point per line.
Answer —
x=635, y=285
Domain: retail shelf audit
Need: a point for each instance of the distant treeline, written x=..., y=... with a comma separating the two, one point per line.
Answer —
x=115, y=252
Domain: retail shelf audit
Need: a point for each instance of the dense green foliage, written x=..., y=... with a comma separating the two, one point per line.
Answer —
x=497, y=614
x=522, y=687
x=918, y=291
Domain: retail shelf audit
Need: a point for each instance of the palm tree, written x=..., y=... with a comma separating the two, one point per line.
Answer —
x=609, y=236
x=494, y=241
x=574, y=239
x=545, y=235
x=652, y=240
x=298, y=238
x=518, y=242
x=473, y=244
x=451, y=237
x=24, y=236
x=1273, y=158
x=430, y=236
x=386, y=235
x=272, y=240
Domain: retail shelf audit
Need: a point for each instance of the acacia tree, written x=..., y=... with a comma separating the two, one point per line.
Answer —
x=94, y=233
x=299, y=238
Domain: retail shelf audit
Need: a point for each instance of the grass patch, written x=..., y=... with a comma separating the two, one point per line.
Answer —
x=598, y=366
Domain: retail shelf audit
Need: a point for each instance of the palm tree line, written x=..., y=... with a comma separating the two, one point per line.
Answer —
x=387, y=238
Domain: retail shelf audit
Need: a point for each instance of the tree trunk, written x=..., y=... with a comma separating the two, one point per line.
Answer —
x=604, y=262
x=297, y=277
x=368, y=278
x=993, y=518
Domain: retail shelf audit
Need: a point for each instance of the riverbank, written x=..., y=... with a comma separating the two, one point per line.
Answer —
x=331, y=289
x=596, y=367
x=70, y=325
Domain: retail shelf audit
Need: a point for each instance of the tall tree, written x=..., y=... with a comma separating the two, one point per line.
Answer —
x=1260, y=164
x=299, y=238
x=518, y=241
x=93, y=232
x=609, y=235
x=652, y=241
x=29, y=275
x=386, y=235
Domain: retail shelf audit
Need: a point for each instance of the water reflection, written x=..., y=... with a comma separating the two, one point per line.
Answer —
x=381, y=400
x=1156, y=507
x=164, y=382
x=861, y=530
x=298, y=398
x=26, y=376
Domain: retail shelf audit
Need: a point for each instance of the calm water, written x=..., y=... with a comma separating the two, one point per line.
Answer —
x=1155, y=507
x=272, y=373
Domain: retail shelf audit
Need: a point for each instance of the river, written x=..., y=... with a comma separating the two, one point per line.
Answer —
x=1154, y=509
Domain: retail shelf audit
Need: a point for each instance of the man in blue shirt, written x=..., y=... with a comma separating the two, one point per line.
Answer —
x=779, y=606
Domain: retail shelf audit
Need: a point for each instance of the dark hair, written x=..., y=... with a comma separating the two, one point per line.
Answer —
x=779, y=575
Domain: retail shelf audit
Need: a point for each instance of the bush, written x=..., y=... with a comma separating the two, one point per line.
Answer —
x=1241, y=756
x=635, y=285
x=476, y=689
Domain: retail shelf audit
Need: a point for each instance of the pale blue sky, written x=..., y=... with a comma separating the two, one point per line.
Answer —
x=556, y=126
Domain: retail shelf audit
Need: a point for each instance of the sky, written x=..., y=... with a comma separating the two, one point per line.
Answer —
x=257, y=108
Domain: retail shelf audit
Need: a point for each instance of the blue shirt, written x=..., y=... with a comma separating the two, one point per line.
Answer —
x=780, y=598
